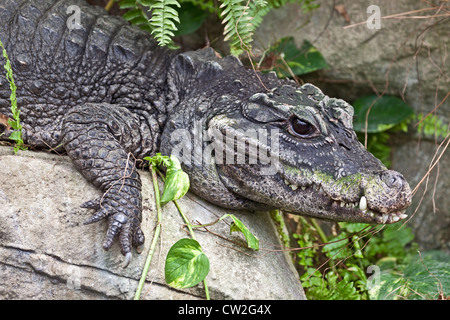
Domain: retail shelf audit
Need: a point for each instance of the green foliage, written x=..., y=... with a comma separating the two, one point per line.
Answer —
x=14, y=123
x=425, y=276
x=191, y=18
x=177, y=182
x=237, y=225
x=287, y=60
x=240, y=19
x=162, y=23
x=170, y=17
x=238, y=27
x=390, y=114
x=186, y=263
x=344, y=278
x=385, y=112
x=432, y=126
x=337, y=270
x=378, y=145
x=135, y=14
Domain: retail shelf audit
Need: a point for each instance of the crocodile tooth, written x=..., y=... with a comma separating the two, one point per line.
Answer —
x=395, y=218
x=363, y=203
x=303, y=188
x=286, y=182
x=385, y=218
x=403, y=216
x=342, y=204
x=293, y=186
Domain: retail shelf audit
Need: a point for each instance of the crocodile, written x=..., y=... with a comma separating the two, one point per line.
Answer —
x=103, y=91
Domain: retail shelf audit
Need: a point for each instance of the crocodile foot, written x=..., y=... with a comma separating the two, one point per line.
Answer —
x=120, y=207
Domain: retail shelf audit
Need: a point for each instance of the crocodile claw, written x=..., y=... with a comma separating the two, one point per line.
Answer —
x=123, y=223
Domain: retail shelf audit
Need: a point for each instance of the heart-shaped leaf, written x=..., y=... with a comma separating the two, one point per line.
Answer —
x=186, y=264
x=385, y=112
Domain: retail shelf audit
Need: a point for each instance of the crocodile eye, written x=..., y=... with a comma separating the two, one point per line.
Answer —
x=301, y=128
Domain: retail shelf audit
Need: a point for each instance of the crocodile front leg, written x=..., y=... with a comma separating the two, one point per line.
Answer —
x=102, y=140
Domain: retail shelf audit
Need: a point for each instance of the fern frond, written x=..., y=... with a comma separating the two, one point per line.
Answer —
x=163, y=20
x=238, y=28
x=136, y=15
x=241, y=17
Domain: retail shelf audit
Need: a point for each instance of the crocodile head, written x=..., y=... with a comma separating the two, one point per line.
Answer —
x=284, y=147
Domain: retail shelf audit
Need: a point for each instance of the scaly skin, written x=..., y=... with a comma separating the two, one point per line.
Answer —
x=108, y=95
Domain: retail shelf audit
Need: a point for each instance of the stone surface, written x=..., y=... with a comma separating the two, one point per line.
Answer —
x=47, y=253
x=408, y=58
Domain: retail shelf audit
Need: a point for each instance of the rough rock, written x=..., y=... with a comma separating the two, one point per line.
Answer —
x=405, y=57
x=47, y=253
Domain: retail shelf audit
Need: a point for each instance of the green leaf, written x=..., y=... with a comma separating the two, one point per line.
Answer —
x=177, y=182
x=423, y=278
x=186, y=264
x=237, y=225
x=132, y=14
x=126, y=4
x=299, y=60
x=427, y=275
x=353, y=227
x=15, y=135
x=338, y=249
x=191, y=18
x=386, y=112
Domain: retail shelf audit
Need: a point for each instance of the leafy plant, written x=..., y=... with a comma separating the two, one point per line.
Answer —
x=287, y=60
x=339, y=267
x=237, y=16
x=423, y=276
x=135, y=14
x=162, y=23
x=163, y=20
x=383, y=113
x=344, y=278
x=14, y=123
x=170, y=17
x=177, y=182
x=432, y=125
x=376, y=115
x=186, y=263
x=191, y=17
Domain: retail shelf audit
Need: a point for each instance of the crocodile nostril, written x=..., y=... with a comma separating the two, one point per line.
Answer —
x=393, y=179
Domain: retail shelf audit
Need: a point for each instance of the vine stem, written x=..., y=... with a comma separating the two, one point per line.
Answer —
x=319, y=230
x=191, y=231
x=155, y=236
x=109, y=5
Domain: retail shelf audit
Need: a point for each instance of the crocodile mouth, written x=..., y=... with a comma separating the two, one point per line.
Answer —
x=354, y=210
